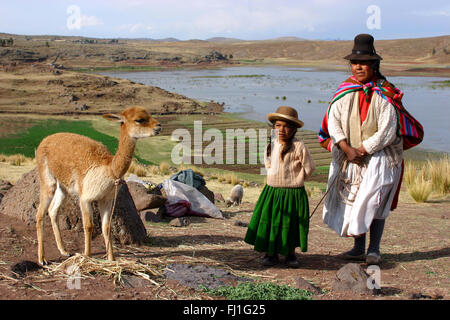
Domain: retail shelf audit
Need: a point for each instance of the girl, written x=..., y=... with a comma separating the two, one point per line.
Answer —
x=280, y=220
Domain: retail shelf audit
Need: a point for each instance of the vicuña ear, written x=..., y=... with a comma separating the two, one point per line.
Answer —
x=114, y=117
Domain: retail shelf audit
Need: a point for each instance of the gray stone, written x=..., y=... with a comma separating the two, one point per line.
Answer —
x=351, y=278
x=149, y=216
x=303, y=284
x=143, y=199
x=180, y=222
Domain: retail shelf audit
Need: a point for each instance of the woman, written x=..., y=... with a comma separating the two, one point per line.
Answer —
x=280, y=220
x=367, y=153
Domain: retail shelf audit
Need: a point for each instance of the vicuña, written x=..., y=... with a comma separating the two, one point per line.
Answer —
x=72, y=163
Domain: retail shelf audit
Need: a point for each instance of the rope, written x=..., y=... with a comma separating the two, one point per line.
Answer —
x=328, y=189
x=342, y=168
x=117, y=182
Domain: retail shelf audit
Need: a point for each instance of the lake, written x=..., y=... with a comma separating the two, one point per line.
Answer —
x=256, y=91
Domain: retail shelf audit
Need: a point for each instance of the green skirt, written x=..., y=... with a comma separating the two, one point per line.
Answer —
x=280, y=221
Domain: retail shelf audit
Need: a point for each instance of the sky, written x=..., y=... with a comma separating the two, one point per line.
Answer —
x=242, y=19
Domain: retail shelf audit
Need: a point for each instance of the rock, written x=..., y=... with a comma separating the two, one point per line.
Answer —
x=351, y=278
x=241, y=224
x=130, y=281
x=4, y=187
x=180, y=222
x=419, y=295
x=218, y=197
x=22, y=201
x=144, y=200
x=148, y=215
x=303, y=284
x=21, y=268
x=199, y=276
x=207, y=193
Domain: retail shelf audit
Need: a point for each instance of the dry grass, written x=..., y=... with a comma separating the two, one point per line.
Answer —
x=82, y=265
x=439, y=173
x=423, y=178
x=16, y=159
x=137, y=169
x=164, y=168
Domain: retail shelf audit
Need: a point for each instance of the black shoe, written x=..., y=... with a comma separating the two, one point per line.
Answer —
x=270, y=261
x=291, y=261
x=351, y=255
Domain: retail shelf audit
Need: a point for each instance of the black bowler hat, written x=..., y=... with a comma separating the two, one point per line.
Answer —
x=363, y=49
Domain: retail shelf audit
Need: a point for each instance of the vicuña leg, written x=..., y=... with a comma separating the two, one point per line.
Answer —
x=58, y=198
x=46, y=196
x=88, y=224
x=105, y=207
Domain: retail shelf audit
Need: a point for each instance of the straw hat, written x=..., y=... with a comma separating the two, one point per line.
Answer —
x=285, y=113
x=363, y=49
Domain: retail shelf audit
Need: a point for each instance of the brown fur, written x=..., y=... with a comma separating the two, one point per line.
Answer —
x=73, y=163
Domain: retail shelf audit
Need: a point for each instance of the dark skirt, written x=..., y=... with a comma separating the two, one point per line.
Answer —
x=280, y=221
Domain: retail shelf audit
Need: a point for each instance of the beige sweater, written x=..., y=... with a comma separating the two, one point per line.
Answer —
x=293, y=170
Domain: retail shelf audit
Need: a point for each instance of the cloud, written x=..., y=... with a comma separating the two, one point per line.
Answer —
x=135, y=28
x=444, y=12
x=90, y=21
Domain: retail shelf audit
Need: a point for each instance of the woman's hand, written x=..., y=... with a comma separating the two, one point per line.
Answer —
x=362, y=151
x=353, y=155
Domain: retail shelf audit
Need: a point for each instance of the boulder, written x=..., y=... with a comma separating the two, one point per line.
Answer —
x=207, y=193
x=150, y=216
x=143, y=199
x=351, y=278
x=22, y=200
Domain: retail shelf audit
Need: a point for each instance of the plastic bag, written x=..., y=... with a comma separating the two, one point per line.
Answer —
x=200, y=205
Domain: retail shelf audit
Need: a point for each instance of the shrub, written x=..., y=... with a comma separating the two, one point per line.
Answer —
x=164, y=168
x=137, y=168
x=420, y=190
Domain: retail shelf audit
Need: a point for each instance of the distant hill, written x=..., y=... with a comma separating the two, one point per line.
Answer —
x=167, y=40
x=288, y=39
x=223, y=39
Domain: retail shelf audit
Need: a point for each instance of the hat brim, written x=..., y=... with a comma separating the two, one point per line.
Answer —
x=272, y=117
x=353, y=56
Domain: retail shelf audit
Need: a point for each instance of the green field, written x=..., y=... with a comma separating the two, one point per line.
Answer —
x=25, y=142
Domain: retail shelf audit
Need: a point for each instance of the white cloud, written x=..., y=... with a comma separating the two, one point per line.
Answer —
x=90, y=21
x=134, y=28
x=445, y=12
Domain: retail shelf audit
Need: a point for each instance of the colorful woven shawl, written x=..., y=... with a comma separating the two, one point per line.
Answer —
x=408, y=127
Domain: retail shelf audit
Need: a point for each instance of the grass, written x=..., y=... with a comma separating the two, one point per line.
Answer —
x=260, y=291
x=27, y=141
x=424, y=177
x=15, y=159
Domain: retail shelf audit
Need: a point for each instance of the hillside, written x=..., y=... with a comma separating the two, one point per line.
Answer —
x=425, y=55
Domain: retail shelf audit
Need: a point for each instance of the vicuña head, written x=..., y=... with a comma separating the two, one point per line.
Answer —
x=76, y=164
